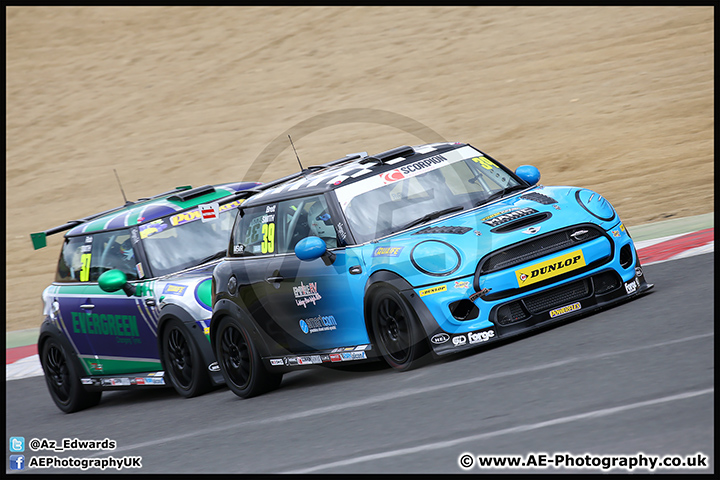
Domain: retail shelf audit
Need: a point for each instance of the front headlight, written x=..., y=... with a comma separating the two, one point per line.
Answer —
x=595, y=204
x=54, y=312
x=435, y=258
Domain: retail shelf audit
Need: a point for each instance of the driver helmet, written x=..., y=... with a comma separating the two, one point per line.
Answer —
x=126, y=250
x=320, y=222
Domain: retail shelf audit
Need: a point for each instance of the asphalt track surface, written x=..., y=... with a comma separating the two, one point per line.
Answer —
x=636, y=378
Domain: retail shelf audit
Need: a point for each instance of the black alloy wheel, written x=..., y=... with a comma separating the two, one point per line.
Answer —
x=397, y=331
x=240, y=361
x=182, y=361
x=62, y=380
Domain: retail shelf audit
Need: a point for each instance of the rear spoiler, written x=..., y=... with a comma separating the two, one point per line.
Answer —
x=39, y=239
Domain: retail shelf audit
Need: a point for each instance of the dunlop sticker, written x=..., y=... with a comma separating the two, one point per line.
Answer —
x=430, y=291
x=550, y=268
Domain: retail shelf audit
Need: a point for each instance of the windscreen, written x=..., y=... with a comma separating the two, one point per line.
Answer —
x=423, y=190
x=184, y=240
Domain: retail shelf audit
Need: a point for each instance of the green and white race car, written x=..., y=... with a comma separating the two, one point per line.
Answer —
x=131, y=301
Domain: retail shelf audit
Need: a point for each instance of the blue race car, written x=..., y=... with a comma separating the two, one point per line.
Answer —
x=130, y=303
x=412, y=253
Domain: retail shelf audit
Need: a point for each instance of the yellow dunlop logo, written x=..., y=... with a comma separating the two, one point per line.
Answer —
x=565, y=309
x=550, y=268
x=430, y=291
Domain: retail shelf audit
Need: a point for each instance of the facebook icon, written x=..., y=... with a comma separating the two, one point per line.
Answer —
x=17, y=462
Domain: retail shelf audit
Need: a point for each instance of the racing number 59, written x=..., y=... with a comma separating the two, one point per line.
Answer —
x=268, y=242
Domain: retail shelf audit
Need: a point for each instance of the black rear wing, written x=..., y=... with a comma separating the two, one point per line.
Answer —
x=39, y=239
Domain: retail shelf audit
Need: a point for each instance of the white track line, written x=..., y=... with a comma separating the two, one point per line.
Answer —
x=364, y=402
x=518, y=429
x=24, y=368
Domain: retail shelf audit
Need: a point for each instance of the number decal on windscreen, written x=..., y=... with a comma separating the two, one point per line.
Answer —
x=85, y=269
x=268, y=242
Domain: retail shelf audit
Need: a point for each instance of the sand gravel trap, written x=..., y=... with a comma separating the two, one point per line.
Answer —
x=617, y=99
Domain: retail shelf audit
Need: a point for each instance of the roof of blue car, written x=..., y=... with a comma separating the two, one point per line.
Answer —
x=319, y=180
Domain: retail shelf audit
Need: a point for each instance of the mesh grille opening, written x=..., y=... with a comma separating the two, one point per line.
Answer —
x=558, y=297
x=511, y=313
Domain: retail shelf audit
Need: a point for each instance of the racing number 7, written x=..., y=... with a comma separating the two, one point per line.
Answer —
x=85, y=269
x=268, y=243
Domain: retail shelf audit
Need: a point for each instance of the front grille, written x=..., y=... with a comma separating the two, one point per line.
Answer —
x=537, y=247
x=558, y=297
x=511, y=313
x=563, y=295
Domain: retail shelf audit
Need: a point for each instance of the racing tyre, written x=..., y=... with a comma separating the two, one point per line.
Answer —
x=182, y=361
x=63, y=380
x=397, y=331
x=240, y=361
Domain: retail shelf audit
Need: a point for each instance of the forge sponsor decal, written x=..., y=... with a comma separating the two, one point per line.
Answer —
x=550, y=268
x=566, y=309
x=481, y=336
x=505, y=216
x=174, y=289
x=432, y=290
x=631, y=287
x=387, y=251
x=416, y=168
x=121, y=326
x=321, y=323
